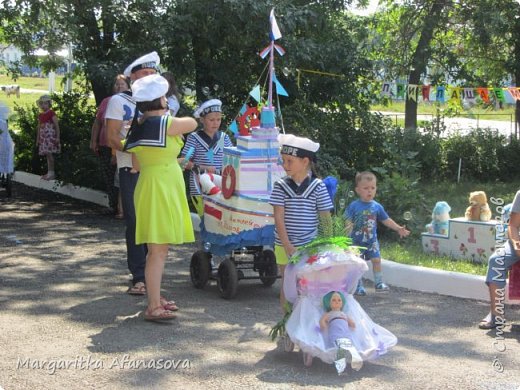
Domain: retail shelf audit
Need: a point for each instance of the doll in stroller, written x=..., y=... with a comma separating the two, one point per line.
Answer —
x=326, y=321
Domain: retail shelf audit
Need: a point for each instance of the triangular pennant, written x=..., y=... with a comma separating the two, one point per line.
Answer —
x=279, y=49
x=439, y=96
x=499, y=93
x=484, y=94
x=220, y=143
x=243, y=109
x=411, y=92
x=515, y=93
x=385, y=90
x=255, y=93
x=210, y=155
x=468, y=94
x=233, y=127
x=425, y=91
x=400, y=90
x=280, y=90
x=455, y=94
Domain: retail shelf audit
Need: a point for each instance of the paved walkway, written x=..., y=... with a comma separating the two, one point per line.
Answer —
x=464, y=125
x=66, y=322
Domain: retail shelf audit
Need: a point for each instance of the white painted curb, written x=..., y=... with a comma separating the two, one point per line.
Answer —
x=430, y=280
x=418, y=278
x=73, y=191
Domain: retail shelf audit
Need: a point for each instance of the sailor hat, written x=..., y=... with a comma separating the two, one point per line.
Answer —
x=213, y=105
x=298, y=146
x=149, y=88
x=148, y=61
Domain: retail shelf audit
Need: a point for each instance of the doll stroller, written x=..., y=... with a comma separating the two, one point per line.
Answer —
x=6, y=157
x=327, y=266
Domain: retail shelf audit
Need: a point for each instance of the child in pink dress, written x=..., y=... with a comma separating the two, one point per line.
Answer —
x=48, y=135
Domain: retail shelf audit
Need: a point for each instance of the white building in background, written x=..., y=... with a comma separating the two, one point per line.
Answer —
x=10, y=54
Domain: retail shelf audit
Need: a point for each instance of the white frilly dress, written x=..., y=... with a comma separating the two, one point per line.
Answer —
x=330, y=268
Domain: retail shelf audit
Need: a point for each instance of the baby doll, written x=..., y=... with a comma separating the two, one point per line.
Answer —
x=337, y=326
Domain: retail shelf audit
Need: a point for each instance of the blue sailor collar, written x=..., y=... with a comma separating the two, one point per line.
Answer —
x=152, y=132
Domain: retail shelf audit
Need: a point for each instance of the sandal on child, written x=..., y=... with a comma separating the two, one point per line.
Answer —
x=137, y=289
x=159, y=314
x=168, y=305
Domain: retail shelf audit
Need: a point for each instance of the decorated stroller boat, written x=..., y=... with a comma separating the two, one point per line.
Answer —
x=319, y=268
x=238, y=221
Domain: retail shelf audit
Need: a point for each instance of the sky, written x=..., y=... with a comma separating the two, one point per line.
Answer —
x=367, y=11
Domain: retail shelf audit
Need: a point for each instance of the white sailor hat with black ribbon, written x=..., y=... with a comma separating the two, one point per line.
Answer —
x=149, y=88
x=298, y=146
x=213, y=105
x=148, y=61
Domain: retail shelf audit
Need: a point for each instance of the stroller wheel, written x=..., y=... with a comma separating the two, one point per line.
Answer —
x=227, y=280
x=200, y=268
x=269, y=271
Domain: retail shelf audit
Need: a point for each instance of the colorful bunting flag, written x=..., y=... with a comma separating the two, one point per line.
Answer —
x=515, y=93
x=255, y=93
x=280, y=90
x=275, y=31
x=484, y=94
x=455, y=94
x=439, y=96
x=400, y=90
x=499, y=93
x=386, y=89
x=233, y=127
x=426, y=92
x=412, y=92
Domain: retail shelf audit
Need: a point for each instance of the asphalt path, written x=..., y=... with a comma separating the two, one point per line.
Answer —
x=66, y=321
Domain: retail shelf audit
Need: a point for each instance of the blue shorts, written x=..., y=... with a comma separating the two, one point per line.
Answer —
x=499, y=263
x=372, y=251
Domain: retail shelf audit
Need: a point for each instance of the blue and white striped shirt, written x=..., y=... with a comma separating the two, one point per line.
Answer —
x=201, y=143
x=302, y=205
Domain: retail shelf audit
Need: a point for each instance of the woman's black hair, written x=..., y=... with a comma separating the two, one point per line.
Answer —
x=153, y=105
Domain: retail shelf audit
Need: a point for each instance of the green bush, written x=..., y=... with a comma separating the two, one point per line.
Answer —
x=76, y=164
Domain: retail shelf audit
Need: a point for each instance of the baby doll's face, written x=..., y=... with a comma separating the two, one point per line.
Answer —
x=336, y=303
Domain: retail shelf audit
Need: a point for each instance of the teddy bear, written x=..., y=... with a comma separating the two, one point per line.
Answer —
x=440, y=219
x=479, y=209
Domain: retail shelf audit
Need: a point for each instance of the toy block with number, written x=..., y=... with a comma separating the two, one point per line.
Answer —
x=469, y=240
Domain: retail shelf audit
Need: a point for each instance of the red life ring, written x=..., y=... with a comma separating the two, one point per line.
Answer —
x=229, y=181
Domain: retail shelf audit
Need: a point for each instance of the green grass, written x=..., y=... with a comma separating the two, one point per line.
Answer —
x=489, y=113
x=412, y=254
x=32, y=82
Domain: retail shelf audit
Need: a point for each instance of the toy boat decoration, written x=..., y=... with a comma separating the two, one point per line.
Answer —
x=240, y=214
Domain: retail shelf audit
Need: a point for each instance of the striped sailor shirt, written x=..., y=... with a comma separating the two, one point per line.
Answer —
x=302, y=205
x=202, y=145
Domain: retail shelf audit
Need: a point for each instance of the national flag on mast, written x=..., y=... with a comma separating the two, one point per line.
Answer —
x=275, y=31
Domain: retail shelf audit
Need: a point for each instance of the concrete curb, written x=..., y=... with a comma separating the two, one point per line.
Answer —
x=73, y=191
x=418, y=278
x=430, y=280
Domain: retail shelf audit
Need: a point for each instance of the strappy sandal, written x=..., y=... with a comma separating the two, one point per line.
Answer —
x=488, y=322
x=163, y=314
x=168, y=305
x=137, y=289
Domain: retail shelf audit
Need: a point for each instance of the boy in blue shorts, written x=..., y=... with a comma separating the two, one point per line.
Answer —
x=361, y=218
